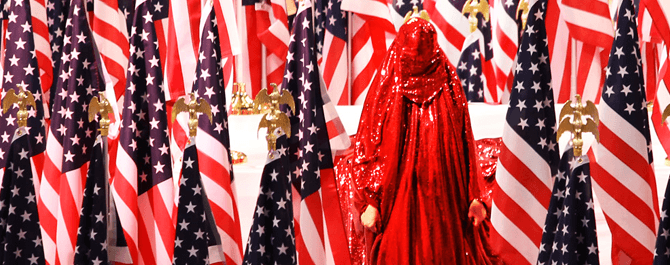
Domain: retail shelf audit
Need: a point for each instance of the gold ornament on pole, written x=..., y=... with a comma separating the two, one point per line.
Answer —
x=103, y=107
x=474, y=7
x=423, y=14
x=241, y=103
x=275, y=118
x=523, y=8
x=23, y=99
x=193, y=107
x=571, y=121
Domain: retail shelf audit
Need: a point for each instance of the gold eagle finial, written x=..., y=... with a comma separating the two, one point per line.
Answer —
x=103, y=107
x=523, y=8
x=666, y=113
x=275, y=118
x=474, y=7
x=23, y=99
x=423, y=14
x=193, y=107
x=576, y=124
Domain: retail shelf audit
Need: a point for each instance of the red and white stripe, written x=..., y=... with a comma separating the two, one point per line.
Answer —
x=150, y=232
x=372, y=33
x=580, y=35
x=661, y=102
x=182, y=48
x=452, y=27
x=334, y=68
x=59, y=203
x=660, y=14
x=272, y=31
x=520, y=200
x=111, y=38
x=505, y=42
x=624, y=182
x=42, y=47
x=251, y=54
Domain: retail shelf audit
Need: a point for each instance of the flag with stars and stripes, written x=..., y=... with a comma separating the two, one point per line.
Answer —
x=481, y=37
x=332, y=48
x=194, y=233
x=142, y=186
x=20, y=69
x=469, y=68
x=70, y=139
x=92, y=233
x=623, y=175
x=271, y=238
x=504, y=40
x=662, y=250
x=311, y=161
x=21, y=241
x=213, y=143
x=569, y=235
x=56, y=14
x=529, y=154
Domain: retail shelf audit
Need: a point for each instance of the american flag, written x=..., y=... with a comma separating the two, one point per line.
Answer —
x=401, y=8
x=42, y=48
x=70, y=139
x=56, y=15
x=372, y=33
x=309, y=147
x=469, y=67
x=272, y=30
x=505, y=41
x=331, y=35
x=20, y=69
x=182, y=47
x=143, y=178
x=662, y=100
x=194, y=233
x=213, y=142
x=483, y=34
x=569, y=234
x=92, y=233
x=451, y=25
x=20, y=236
x=251, y=54
x=271, y=238
x=659, y=11
x=529, y=155
x=580, y=35
x=623, y=178
x=111, y=38
x=662, y=249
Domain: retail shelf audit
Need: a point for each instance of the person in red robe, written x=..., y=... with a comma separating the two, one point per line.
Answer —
x=414, y=159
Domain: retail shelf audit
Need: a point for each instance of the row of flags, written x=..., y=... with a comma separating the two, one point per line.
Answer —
x=121, y=198
x=145, y=55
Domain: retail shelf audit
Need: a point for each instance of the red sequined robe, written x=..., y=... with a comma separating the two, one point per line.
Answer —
x=414, y=157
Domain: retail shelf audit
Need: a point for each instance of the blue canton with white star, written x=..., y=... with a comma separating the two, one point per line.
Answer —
x=20, y=234
x=469, y=71
x=569, y=235
x=20, y=69
x=271, y=238
x=91, y=248
x=531, y=111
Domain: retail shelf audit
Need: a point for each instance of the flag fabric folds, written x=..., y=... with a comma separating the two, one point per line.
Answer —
x=529, y=154
x=271, y=238
x=142, y=187
x=469, y=67
x=569, y=235
x=70, y=139
x=91, y=245
x=623, y=176
x=20, y=69
x=194, y=231
x=213, y=142
x=21, y=241
x=331, y=36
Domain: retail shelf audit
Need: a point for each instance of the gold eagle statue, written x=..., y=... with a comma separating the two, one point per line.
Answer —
x=523, y=8
x=275, y=118
x=423, y=14
x=23, y=99
x=103, y=107
x=193, y=107
x=572, y=120
x=474, y=7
